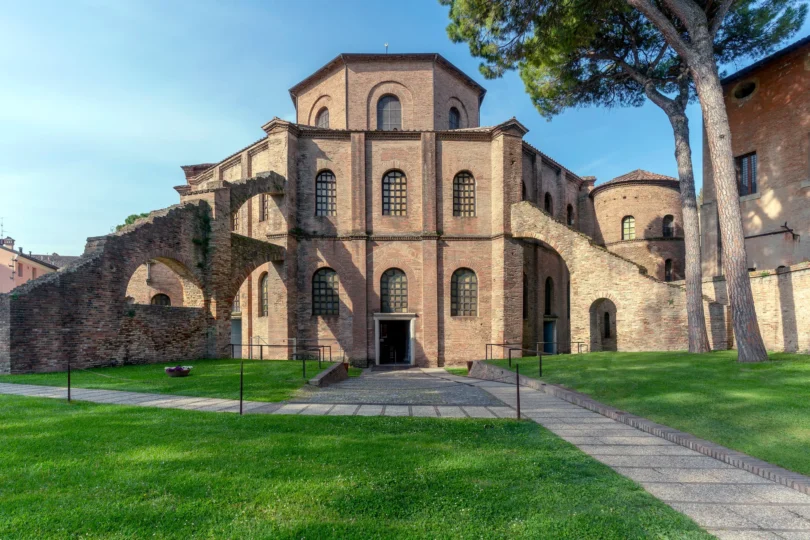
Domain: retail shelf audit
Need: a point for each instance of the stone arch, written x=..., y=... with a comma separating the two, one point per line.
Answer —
x=604, y=325
x=163, y=274
x=324, y=101
x=458, y=104
x=394, y=88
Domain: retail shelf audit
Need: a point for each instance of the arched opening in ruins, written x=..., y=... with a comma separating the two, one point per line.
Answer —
x=546, y=304
x=164, y=282
x=603, y=325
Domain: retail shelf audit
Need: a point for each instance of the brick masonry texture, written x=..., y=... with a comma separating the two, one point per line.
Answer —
x=204, y=258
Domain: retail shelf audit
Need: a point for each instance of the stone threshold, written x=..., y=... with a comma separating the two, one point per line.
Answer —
x=756, y=466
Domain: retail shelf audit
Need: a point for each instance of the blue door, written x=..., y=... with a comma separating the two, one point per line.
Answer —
x=549, y=347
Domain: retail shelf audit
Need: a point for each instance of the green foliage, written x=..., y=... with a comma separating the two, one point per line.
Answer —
x=762, y=409
x=573, y=53
x=115, y=472
x=132, y=218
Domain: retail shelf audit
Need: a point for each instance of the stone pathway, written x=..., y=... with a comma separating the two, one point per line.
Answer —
x=730, y=503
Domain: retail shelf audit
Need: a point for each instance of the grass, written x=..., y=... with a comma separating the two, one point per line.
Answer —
x=760, y=409
x=460, y=371
x=92, y=471
x=265, y=380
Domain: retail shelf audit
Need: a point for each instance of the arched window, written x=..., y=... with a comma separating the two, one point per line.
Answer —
x=464, y=195
x=525, y=296
x=522, y=191
x=394, y=291
x=389, y=113
x=669, y=226
x=161, y=300
x=235, y=221
x=325, y=194
x=325, y=292
x=264, y=206
x=237, y=304
x=549, y=204
x=628, y=228
x=607, y=324
x=570, y=215
x=394, y=194
x=454, y=118
x=322, y=120
x=549, y=296
x=263, y=307
x=464, y=293
x=668, y=270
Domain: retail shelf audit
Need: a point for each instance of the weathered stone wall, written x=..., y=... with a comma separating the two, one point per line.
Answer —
x=650, y=315
x=158, y=279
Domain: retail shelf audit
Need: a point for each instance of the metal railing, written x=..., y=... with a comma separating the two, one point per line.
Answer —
x=579, y=344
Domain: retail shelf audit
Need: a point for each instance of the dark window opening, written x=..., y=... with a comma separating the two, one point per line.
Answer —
x=389, y=113
x=549, y=204
x=264, y=206
x=745, y=89
x=607, y=324
x=669, y=226
x=325, y=194
x=464, y=195
x=746, y=174
x=668, y=270
x=161, y=300
x=394, y=291
x=263, y=307
x=454, y=118
x=570, y=216
x=322, y=120
x=395, y=194
x=549, y=307
x=464, y=293
x=525, y=297
x=325, y=292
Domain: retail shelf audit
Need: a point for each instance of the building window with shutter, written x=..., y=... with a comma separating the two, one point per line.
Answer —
x=746, y=174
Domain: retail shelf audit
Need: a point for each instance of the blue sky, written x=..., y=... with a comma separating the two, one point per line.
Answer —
x=102, y=101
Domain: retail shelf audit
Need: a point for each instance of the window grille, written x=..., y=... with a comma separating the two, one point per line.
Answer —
x=464, y=293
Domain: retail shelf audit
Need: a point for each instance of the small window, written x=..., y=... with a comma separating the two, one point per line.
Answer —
x=669, y=226
x=549, y=204
x=522, y=191
x=464, y=293
x=161, y=300
x=389, y=113
x=570, y=215
x=744, y=89
x=464, y=195
x=237, y=304
x=607, y=325
x=19, y=269
x=394, y=291
x=263, y=304
x=264, y=206
x=325, y=194
x=325, y=292
x=33, y=273
x=746, y=174
x=322, y=120
x=454, y=118
x=628, y=228
x=395, y=194
x=235, y=221
x=668, y=270
x=549, y=296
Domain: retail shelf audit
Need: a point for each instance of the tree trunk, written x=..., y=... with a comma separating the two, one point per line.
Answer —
x=698, y=336
x=750, y=347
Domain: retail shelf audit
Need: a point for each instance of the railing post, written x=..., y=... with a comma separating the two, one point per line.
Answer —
x=517, y=386
x=539, y=365
x=510, y=357
x=261, y=352
x=241, y=383
x=68, y=378
x=304, y=364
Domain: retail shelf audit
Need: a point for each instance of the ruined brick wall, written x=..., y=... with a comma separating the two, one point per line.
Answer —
x=161, y=280
x=774, y=122
x=650, y=315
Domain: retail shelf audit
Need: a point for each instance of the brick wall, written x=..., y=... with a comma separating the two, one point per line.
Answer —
x=162, y=280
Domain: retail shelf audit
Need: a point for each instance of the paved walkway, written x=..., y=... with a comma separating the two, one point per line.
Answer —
x=729, y=502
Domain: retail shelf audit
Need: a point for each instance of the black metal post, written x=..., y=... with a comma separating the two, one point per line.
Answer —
x=261, y=352
x=304, y=365
x=241, y=383
x=517, y=386
x=539, y=365
x=68, y=379
x=510, y=357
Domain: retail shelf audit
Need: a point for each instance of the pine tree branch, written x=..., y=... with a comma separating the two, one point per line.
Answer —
x=671, y=34
x=717, y=21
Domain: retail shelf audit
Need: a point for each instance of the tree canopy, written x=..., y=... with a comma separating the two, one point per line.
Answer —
x=132, y=218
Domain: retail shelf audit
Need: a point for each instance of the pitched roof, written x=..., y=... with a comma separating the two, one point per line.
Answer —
x=767, y=60
x=639, y=176
x=56, y=260
x=32, y=258
x=343, y=58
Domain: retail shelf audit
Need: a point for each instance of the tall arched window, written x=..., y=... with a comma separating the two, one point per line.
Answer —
x=628, y=228
x=549, y=296
x=464, y=293
x=607, y=325
x=389, y=113
x=161, y=300
x=394, y=194
x=322, y=120
x=235, y=221
x=237, y=304
x=549, y=204
x=264, y=206
x=464, y=195
x=454, y=118
x=522, y=191
x=570, y=216
x=668, y=270
x=394, y=291
x=263, y=307
x=669, y=226
x=325, y=194
x=325, y=292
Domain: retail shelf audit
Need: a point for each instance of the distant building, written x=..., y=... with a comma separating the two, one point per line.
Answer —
x=768, y=107
x=17, y=268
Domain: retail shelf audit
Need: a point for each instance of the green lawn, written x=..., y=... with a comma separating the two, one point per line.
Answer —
x=460, y=371
x=83, y=470
x=265, y=380
x=760, y=409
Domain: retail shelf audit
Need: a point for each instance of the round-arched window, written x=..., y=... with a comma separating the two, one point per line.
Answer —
x=628, y=228
x=394, y=291
x=161, y=300
x=389, y=113
x=322, y=120
x=454, y=118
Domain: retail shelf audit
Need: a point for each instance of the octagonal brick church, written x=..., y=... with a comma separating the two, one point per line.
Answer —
x=396, y=223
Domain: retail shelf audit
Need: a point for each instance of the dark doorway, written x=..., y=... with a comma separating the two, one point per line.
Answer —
x=394, y=342
x=549, y=347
